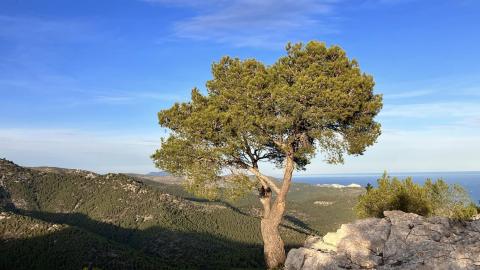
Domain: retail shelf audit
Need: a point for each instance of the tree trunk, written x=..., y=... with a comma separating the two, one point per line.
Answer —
x=273, y=246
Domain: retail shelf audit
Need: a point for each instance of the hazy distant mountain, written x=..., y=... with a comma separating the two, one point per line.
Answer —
x=160, y=173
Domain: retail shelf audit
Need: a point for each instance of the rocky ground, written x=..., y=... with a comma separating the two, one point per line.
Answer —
x=398, y=241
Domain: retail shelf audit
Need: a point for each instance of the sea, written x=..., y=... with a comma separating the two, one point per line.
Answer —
x=469, y=180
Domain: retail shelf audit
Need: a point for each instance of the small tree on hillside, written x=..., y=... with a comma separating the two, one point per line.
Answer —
x=430, y=199
x=314, y=98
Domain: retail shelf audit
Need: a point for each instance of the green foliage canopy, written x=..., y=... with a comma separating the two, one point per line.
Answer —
x=313, y=98
x=431, y=199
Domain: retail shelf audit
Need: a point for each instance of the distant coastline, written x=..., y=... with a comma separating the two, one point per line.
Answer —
x=470, y=180
x=376, y=174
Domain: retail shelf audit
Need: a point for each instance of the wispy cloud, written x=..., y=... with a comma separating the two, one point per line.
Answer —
x=38, y=30
x=254, y=23
x=433, y=110
x=66, y=91
x=183, y=3
x=376, y=3
x=453, y=101
x=473, y=91
x=113, y=99
x=464, y=84
x=392, y=1
x=408, y=94
x=266, y=23
x=119, y=98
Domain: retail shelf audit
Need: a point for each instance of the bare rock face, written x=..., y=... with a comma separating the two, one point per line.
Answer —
x=398, y=241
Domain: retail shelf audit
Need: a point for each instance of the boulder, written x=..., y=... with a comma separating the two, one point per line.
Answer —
x=398, y=241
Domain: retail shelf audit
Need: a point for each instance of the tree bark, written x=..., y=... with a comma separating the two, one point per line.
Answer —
x=273, y=245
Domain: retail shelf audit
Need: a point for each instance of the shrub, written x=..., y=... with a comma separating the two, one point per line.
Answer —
x=431, y=199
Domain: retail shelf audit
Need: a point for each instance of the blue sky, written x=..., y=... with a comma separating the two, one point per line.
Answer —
x=81, y=81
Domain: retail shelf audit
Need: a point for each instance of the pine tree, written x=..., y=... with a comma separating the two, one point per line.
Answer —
x=312, y=99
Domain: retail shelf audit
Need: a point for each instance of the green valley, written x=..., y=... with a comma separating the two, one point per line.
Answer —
x=68, y=219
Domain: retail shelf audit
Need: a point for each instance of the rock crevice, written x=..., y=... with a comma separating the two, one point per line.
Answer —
x=398, y=241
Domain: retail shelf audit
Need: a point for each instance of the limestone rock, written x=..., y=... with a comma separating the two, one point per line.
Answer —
x=398, y=241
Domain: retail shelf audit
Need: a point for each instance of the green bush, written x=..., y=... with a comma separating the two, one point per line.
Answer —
x=431, y=199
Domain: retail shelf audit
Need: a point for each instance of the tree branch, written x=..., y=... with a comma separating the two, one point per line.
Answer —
x=265, y=180
x=280, y=145
x=254, y=156
x=287, y=179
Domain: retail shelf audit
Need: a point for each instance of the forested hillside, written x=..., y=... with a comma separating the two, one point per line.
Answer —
x=69, y=219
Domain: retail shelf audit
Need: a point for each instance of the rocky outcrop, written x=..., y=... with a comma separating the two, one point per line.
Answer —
x=398, y=241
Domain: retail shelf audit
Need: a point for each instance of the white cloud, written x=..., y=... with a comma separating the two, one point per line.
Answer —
x=263, y=23
x=445, y=110
x=254, y=23
x=448, y=102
